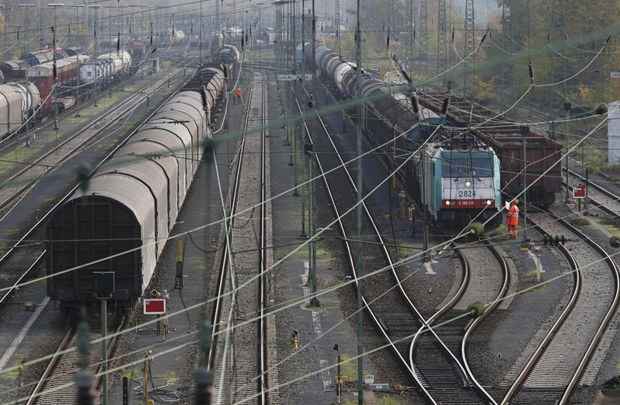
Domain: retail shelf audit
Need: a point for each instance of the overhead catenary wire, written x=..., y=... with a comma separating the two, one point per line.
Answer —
x=331, y=289
x=289, y=304
x=212, y=223
x=298, y=302
x=328, y=290
x=461, y=234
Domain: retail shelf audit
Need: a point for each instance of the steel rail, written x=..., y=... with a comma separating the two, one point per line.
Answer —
x=378, y=323
x=583, y=363
x=479, y=319
x=263, y=365
x=597, y=186
x=382, y=243
x=540, y=350
x=125, y=107
x=602, y=327
x=426, y=322
x=112, y=347
x=50, y=367
x=225, y=262
x=593, y=198
x=445, y=308
x=25, y=274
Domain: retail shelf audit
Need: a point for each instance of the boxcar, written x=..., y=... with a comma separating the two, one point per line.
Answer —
x=541, y=154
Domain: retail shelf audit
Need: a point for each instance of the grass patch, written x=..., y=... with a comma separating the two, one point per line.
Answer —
x=390, y=400
x=10, y=161
x=607, y=221
x=580, y=221
x=535, y=275
x=610, y=228
x=348, y=369
x=383, y=400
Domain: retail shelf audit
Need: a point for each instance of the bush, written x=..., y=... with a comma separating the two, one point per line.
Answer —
x=477, y=228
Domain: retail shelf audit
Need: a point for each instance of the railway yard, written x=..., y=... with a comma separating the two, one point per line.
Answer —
x=230, y=209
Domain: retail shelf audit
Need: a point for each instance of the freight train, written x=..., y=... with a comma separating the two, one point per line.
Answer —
x=30, y=97
x=16, y=69
x=124, y=216
x=455, y=176
x=515, y=144
x=105, y=68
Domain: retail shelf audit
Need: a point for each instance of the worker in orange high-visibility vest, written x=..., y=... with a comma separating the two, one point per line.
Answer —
x=238, y=95
x=512, y=218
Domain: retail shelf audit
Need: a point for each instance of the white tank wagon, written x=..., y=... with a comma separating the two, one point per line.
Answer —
x=130, y=202
x=120, y=62
x=106, y=67
x=18, y=101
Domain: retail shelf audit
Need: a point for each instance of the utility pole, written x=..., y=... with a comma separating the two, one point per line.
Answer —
x=313, y=64
x=41, y=34
x=294, y=29
x=54, y=105
x=337, y=24
x=218, y=23
x=411, y=26
x=360, y=188
x=104, y=351
x=200, y=32
x=303, y=38
x=83, y=378
x=423, y=31
x=201, y=376
x=469, y=76
x=442, y=36
x=524, y=134
x=314, y=301
x=506, y=77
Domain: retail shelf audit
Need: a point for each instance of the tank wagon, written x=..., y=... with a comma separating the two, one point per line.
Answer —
x=30, y=88
x=124, y=216
x=18, y=102
x=105, y=68
x=455, y=177
x=17, y=69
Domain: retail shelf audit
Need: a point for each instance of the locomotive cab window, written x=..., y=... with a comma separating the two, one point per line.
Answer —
x=457, y=165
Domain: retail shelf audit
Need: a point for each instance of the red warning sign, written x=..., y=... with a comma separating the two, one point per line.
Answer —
x=154, y=306
x=580, y=191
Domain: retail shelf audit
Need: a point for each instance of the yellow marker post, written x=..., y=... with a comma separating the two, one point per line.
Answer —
x=147, y=401
x=180, y=253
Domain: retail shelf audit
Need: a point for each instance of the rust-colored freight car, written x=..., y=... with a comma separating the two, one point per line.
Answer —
x=541, y=154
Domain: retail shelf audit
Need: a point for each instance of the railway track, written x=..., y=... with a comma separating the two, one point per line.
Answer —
x=604, y=199
x=446, y=382
x=225, y=265
x=61, y=368
x=37, y=253
x=262, y=354
x=392, y=299
x=393, y=311
x=26, y=258
x=244, y=256
x=13, y=139
x=490, y=254
x=567, y=356
x=24, y=179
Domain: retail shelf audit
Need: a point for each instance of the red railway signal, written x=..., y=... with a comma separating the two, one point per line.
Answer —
x=154, y=306
x=580, y=191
